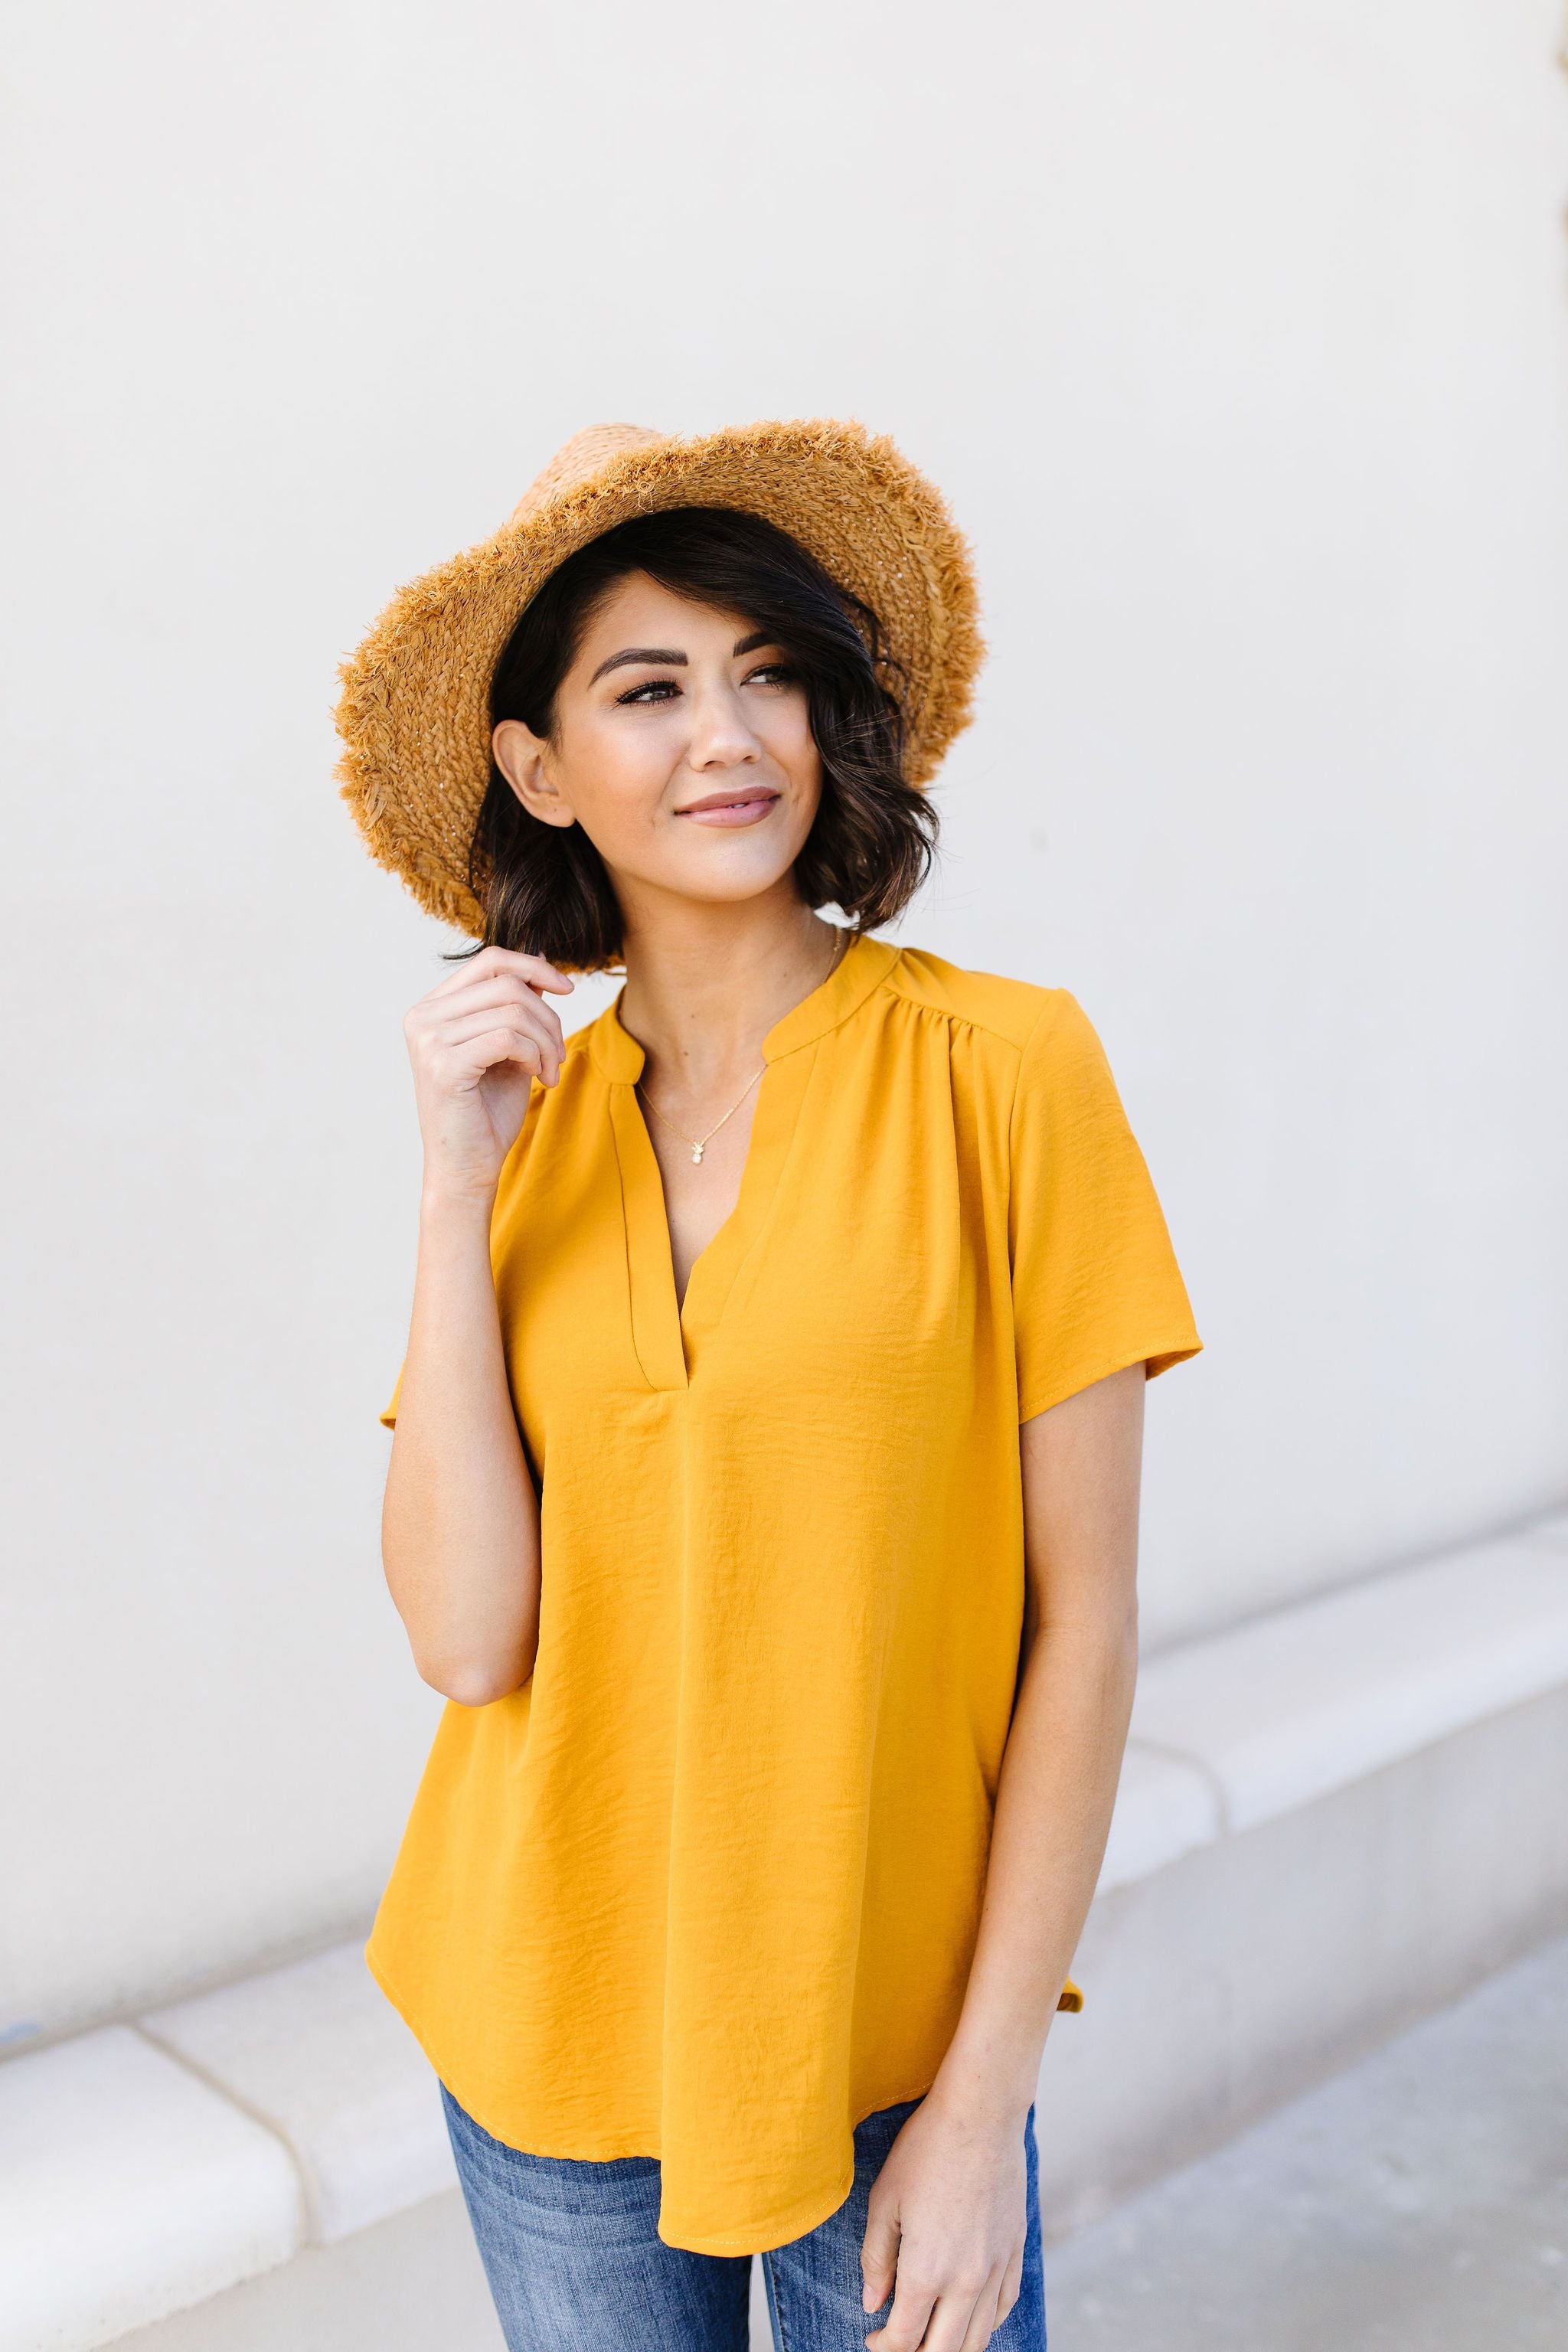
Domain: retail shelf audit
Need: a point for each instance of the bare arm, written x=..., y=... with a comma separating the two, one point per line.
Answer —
x=1081, y=1468
x=948, y=2207
x=460, y=1520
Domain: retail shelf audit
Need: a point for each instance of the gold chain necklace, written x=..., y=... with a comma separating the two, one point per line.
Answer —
x=698, y=1144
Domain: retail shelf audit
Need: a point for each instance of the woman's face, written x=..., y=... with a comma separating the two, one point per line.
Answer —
x=682, y=747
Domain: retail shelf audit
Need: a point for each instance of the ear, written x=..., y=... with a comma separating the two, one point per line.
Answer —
x=522, y=758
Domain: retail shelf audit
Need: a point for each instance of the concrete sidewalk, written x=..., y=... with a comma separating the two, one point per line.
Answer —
x=1417, y=2203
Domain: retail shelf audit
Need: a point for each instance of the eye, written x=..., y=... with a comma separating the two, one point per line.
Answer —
x=657, y=689
x=772, y=674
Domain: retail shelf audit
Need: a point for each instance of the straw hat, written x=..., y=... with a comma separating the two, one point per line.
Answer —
x=415, y=709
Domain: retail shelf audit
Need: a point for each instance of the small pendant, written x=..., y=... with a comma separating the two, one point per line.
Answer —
x=697, y=1155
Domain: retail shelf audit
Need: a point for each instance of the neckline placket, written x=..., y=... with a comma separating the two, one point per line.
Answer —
x=668, y=1338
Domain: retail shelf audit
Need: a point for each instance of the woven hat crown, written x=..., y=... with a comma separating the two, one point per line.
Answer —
x=578, y=460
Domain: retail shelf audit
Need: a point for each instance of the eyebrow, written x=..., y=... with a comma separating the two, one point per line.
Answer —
x=664, y=657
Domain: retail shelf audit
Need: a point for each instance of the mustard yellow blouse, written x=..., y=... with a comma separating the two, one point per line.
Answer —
x=707, y=1888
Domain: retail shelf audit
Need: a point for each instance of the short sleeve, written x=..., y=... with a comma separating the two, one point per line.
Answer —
x=1096, y=1286
x=389, y=1414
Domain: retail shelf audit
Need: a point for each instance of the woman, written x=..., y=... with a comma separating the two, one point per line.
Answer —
x=764, y=1490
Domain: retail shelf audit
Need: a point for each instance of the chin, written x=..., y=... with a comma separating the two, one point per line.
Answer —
x=729, y=880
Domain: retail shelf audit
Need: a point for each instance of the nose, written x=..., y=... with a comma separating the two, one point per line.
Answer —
x=720, y=737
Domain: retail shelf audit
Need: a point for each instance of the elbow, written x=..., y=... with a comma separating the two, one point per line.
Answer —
x=474, y=1682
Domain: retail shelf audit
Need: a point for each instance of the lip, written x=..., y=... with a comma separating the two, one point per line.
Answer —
x=744, y=805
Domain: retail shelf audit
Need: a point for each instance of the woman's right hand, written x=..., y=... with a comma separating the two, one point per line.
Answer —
x=477, y=1044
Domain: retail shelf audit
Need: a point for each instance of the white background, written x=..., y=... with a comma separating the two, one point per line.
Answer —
x=1234, y=333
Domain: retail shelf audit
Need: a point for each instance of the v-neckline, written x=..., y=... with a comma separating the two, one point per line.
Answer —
x=667, y=1335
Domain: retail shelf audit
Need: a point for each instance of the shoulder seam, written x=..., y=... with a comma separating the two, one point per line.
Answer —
x=970, y=1021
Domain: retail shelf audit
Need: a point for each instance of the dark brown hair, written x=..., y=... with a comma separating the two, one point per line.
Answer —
x=545, y=887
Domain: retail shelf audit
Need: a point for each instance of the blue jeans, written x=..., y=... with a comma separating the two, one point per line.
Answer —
x=575, y=2262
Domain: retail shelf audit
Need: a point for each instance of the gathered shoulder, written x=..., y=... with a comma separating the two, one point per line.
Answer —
x=1010, y=1010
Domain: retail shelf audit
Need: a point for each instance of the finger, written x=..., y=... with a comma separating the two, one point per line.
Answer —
x=950, y=2326
x=914, y=2300
x=454, y=1047
x=509, y=998
x=485, y=1024
x=466, y=1065
x=537, y=971
x=986, y=2317
x=1012, y=2281
x=879, y=2254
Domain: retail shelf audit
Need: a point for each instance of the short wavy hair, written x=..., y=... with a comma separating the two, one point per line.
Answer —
x=544, y=888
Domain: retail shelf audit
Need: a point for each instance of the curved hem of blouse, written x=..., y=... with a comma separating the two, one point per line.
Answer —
x=762, y=2237
x=609, y=2154
x=782, y=2230
x=1159, y=1360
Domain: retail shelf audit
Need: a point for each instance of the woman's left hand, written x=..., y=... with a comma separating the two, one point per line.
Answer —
x=946, y=2223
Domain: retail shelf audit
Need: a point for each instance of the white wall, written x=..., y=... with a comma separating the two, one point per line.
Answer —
x=1236, y=334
